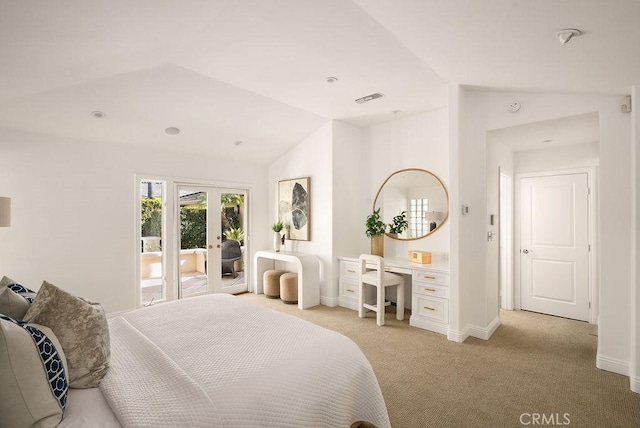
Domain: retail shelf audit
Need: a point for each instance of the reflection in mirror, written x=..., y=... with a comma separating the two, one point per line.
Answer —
x=421, y=195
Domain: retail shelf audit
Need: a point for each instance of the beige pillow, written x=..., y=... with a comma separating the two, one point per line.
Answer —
x=12, y=304
x=23, y=291
x=82, y=329
x=33, y=389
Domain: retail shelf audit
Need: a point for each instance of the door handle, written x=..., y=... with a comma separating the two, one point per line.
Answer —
x=526, y=251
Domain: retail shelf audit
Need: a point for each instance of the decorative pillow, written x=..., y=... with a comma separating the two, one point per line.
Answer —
x=12, y=304
x=82, y=329
x=32, y=375
x=23, y=291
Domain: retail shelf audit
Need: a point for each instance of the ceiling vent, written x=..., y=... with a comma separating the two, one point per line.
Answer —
x=369, y=98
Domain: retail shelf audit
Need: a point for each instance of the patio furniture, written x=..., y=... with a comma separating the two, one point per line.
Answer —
x=230, y=252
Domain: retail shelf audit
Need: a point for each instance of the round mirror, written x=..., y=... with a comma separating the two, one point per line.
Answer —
x=420, y=195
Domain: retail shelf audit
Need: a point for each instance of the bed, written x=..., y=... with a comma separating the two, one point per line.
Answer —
x=218, y=360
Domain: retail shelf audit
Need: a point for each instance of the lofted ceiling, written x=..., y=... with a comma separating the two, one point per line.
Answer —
x=255, y=71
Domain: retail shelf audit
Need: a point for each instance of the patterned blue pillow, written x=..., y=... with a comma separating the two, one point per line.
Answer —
x=22, y=291
x=35, y=370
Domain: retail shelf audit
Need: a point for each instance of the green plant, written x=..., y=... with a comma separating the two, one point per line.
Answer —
x=193, y=227
x=277, y=227
x=151, y=216
x=399, y=223
x=375, y=226
x=235, y=234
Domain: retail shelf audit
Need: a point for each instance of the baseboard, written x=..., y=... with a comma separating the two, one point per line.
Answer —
x=611, y=364
x=427, y=325
x=329, y=301
x=483, y=333
x=458, y=336
x=635, y=384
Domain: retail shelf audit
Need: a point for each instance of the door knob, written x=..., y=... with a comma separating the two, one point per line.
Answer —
x=525, y=251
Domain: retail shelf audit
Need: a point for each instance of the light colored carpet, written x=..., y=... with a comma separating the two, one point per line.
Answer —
x=533, y=364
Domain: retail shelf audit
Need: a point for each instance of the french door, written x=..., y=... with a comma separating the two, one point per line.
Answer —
x=211, y=225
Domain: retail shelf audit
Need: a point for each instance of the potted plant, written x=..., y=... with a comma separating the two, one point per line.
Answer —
x=399, y=224
x=277, y=237
x=375, y=229
x=235, y=234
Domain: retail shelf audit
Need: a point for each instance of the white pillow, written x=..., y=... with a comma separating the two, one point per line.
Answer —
x=33, y=375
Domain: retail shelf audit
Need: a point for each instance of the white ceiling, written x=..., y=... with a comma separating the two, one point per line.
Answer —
x=254, y=70
x=564, y=131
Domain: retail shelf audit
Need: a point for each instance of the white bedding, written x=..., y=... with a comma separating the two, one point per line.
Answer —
x=218, y=360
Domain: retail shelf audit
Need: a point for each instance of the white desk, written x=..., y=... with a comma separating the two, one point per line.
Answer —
x=427, y=290
x=308, y=268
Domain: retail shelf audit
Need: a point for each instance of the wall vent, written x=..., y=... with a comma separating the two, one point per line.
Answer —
x=369, y=98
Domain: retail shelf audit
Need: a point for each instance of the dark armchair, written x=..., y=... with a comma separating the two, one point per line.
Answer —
x=230, y=253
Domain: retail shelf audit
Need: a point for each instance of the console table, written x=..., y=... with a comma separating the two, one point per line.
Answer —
x=308, y=268
x=429, y=285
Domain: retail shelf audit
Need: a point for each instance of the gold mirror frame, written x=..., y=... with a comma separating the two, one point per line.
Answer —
x=437, y=179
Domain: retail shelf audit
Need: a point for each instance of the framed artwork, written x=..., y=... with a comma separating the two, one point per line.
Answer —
x=294, y=208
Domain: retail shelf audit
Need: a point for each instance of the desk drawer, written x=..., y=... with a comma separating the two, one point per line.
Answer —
x=430, y=290
x=349, y=270
x=349, y=289
x=431, y=277
x=431, y=308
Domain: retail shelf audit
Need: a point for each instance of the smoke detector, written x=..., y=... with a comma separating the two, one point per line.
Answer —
x=567, y=34
x=514, y=107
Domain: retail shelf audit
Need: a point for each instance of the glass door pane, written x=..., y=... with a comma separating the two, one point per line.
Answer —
x=233, y=220
x=194, y=228
x=152, y=272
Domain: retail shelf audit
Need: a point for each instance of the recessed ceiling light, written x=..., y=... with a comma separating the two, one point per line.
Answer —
x=237, y=143
x=331, y=79
x=172, y=130
x=567, y=34
x=98, y=114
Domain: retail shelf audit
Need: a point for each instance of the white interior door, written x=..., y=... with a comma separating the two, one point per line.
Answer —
x=554, y=253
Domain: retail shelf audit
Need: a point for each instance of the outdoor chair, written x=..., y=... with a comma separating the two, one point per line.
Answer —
x=230, y=254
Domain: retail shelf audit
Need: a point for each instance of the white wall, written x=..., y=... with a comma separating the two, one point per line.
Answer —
x=634, y=372
x=484, y=111
x=310, y=158
x=499, y=157
x=350, y=196
x=73, y=210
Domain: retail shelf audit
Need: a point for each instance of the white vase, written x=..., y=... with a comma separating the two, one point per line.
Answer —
x=277, y=241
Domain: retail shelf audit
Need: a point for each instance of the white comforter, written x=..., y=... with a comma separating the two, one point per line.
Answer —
x=218, y=360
